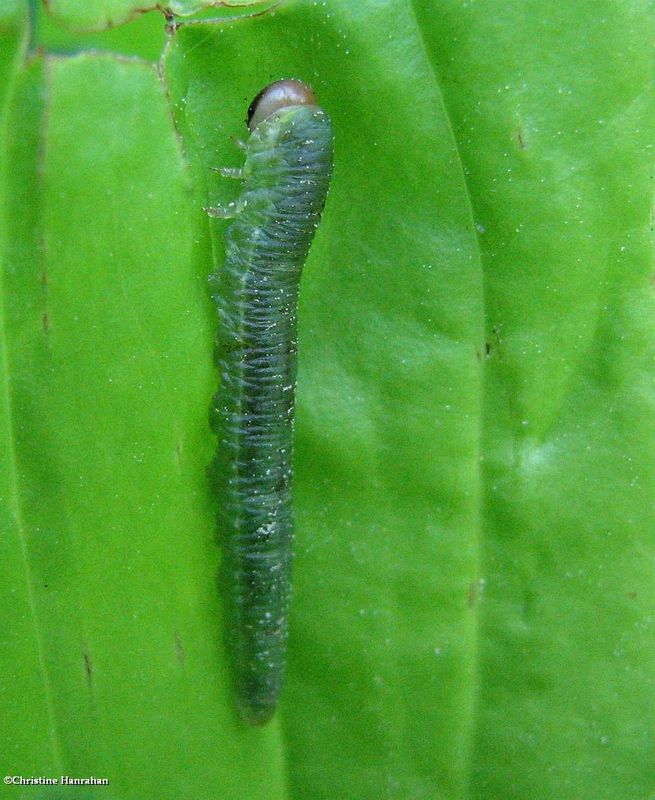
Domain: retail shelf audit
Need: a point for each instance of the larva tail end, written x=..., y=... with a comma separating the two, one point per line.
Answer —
x=256, y=714
x=257, y=695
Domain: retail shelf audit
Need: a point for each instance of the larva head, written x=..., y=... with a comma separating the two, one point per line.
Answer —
x=277, y=96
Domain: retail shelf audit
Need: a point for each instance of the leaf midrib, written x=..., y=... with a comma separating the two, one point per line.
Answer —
x=475, y=611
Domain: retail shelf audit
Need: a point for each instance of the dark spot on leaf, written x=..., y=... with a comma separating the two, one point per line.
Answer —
x=179, y=648
x=88, y=666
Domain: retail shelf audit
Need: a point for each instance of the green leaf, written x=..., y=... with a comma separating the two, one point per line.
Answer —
x=475, y=462
x=144, y=36
x=108, y=332
x=101, y=14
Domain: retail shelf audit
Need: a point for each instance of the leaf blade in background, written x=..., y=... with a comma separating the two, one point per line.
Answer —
x=555, y=130
x=95, y=15
x=22, y=661
x=110, y=444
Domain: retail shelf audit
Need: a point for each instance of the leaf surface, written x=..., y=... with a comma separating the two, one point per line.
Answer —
x=95, y=15
x=475, y=465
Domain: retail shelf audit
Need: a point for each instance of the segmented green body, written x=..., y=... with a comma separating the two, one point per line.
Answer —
x=287, y=171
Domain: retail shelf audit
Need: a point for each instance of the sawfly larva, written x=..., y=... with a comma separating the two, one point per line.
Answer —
x=285, y=181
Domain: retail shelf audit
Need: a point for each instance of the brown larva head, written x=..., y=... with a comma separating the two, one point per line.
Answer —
x=276, y=96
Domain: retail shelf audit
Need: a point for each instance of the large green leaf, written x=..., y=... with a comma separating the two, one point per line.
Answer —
x=475, y=450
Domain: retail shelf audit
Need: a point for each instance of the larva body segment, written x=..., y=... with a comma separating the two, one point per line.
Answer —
x=286, y=176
